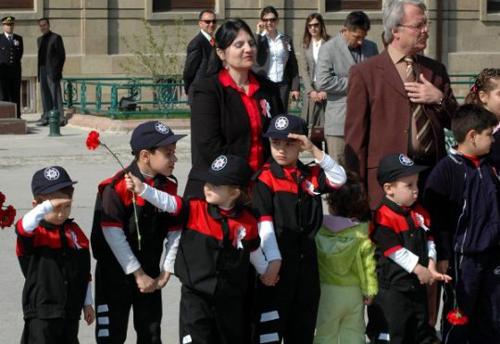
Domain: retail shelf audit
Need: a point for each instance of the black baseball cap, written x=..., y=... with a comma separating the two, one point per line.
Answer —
x=50, y=179
x=394, y=166
x=152, y=134
x=282, y=125
x=228, y=170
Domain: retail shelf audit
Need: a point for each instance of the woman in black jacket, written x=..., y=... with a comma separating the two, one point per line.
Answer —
x=231, y=109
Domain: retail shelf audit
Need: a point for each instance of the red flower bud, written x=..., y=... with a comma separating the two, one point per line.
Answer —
x=93, y=140
x=457, y=317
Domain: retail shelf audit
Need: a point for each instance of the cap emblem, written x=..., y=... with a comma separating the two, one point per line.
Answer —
x=405, y=161
x=161, y=128
x=51, y=173
x=219, y=163
x=281, y=123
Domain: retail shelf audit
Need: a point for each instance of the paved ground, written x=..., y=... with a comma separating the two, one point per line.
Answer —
x=20, y=156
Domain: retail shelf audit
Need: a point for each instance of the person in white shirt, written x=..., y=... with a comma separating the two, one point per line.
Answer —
x=276, y=56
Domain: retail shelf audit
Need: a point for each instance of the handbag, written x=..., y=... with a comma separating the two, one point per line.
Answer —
x=317, y=132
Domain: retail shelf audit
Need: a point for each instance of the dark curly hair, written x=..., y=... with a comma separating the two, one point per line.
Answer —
x=486, y=81
x=351, y=200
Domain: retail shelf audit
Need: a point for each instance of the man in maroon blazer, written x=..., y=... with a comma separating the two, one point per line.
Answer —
x=398, y=101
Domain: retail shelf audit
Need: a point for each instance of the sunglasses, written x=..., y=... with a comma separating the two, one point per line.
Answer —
x=272, y=20
x=313, y=25
x=8, y=24
x=210, y=21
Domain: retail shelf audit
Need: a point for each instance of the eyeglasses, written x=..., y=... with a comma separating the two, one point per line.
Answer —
x=418, y=27
x=271, y=20
x=208, y=22
x=313, y=25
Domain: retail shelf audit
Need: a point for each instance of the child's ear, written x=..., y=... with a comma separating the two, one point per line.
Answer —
x=34, y=203
x=471, y=136
x=144, y=155
x=387, y=188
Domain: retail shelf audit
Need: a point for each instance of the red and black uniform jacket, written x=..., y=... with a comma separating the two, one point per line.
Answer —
x=395, y=227
x=55, y=261
x=291, y=199
x=114, y=208
x=214, y=248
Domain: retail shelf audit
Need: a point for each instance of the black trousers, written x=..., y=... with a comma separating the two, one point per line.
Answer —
x=476, y=282
x=406, y=315
x=50, y=331
x=208, y=319
x=115, y=295
x=284, y=89
x=50, y=90
x=10, y=88
x=289, y=310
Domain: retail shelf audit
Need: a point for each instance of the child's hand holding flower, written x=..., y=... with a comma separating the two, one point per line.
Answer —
x=134, y=184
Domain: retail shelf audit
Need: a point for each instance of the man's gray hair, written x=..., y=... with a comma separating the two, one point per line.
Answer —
x=394, y=13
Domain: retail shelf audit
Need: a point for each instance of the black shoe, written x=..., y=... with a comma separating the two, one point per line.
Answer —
x=42, y=123
x=63, y=122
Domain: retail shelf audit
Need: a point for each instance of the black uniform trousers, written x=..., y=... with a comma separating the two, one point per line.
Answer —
x=406, y=314
x=10, y=86
x=115, y=294
x=289, y=310
x=50, y=90
x=206, y=319
x=50, y=331
x=476, y=281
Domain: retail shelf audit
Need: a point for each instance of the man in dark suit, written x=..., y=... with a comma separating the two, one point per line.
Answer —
x=398, y=101
x=11, y=53
x=199, y=50
x=51, y=57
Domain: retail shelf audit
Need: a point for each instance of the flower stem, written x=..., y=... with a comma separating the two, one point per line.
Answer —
x=114, y=155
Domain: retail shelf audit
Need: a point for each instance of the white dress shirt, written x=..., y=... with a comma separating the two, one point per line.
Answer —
x=278, y=56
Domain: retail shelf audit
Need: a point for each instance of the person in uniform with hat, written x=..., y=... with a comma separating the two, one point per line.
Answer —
x=55, y=260
x=219, y=240
x=405, y=253
x=11, y=53
x=127, y=240
x=287, y=201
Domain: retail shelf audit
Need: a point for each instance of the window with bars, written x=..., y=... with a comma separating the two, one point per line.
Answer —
x=17, y=4
x=348, y=5
x=493, y=6
x=182, y=5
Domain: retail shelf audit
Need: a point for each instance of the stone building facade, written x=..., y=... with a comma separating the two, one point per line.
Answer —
x=465, y=34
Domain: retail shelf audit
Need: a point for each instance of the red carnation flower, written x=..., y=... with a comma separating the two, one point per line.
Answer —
x=2, y=199
x=93, y=140
x=7, y=217
x=457, y=317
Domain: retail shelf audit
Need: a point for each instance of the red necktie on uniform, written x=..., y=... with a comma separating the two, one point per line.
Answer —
x=212, y=41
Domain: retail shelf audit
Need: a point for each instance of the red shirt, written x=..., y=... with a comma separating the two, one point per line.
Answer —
x=256, y=155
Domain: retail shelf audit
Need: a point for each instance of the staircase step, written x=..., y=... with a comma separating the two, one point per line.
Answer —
x=12, y=126
x=7, y=110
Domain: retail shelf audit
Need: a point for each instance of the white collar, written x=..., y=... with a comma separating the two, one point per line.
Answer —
x=8, y=35
x=207, y=36
x=278, y=36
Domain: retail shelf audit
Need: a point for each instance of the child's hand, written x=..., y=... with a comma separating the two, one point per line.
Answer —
x=271, y=276
x=88, y=314
x=367, y=300
x=162, y=280
x=134, y=184
x=436, y=275
x=59, y=203
x=305, y=143
x=145, y=283
x=423, y=274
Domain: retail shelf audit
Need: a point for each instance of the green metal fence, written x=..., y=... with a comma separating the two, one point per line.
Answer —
x=123, y=97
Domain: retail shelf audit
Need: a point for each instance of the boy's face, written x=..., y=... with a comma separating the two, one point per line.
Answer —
x=62, y=207
x=162, y=160
x=285, y=151
x=403, y=191
x=481, y=142
x=221, y=195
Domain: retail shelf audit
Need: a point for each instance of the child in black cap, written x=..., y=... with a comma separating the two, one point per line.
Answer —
x=405, y=253
x=128, y=256
x=55, y=260
x=219, y=239
x=287, y=200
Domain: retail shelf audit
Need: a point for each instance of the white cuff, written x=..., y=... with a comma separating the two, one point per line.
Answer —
x=405, y=258
x=171, y=248
x=268, y=241
x=34, y=216
x=120, y=247
x=431, y=250
x=160, y=199
x=335, y=173
x=259, y=261
x=88, y=296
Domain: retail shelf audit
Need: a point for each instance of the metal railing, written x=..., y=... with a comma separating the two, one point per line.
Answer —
x=123, y=97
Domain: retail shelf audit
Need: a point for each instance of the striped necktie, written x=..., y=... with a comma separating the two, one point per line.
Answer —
x=421, y=130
